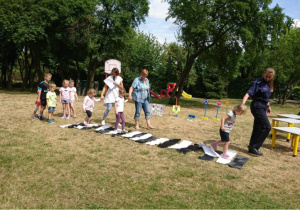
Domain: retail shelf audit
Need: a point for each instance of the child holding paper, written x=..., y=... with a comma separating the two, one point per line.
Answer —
x=113, y=83
x=227, y=124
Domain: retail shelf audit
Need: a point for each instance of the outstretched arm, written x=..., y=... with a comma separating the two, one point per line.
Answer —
x=246, y=96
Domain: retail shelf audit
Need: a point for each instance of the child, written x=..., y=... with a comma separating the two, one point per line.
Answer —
x=73, y=95
x=64, y=97
x=88, y=105
x=51, y=102
x=119, y=109
x=37, y=106
x=42, y=91
x=227, y=124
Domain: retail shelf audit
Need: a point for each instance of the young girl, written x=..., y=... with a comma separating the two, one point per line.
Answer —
x=119, y=109
x=51, y=102
x=73, y=96
x=64, y=97
x=227, y=124
x=88, y=105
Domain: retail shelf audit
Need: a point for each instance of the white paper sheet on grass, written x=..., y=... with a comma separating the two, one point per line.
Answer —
x=131, y=134
x=90, y=125
x=102, y=128
x=209, y=151
x=183, y=144
x=141, y=137
x=114, y=131
x=226, y=161
x=64, y=126
x=157, y=141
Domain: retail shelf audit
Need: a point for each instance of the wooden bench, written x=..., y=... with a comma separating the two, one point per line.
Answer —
x=291, y=123
x=295, y=137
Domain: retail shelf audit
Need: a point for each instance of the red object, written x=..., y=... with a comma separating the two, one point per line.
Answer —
x=154, y=94
x=163, y=93
x=219, y=103
x=169, y=93
x=171, y=86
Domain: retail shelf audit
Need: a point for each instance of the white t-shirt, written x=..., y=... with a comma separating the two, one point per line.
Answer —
x=120, y=104
x=113, y=93
x=65, y=93
x=229, y=123
x=73, y=91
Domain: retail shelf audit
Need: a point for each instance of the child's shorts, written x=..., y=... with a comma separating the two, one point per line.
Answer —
x=64, y=101
x=72, y=101
x=51, y=109
x=89, y=113
x=224, y=136
x=43, y=102
x=37, y=103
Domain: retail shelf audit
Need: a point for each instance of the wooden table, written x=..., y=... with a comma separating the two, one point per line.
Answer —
x=290, y=122
x=295, y=137
x=292, y=116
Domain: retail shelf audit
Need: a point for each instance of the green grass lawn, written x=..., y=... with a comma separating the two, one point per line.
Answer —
x=44, y=166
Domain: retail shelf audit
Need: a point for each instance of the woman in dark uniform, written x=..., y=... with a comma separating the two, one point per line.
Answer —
x=260, y=92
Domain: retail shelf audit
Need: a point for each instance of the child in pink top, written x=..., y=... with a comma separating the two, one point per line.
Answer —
x=64, y=97
x=88, y=105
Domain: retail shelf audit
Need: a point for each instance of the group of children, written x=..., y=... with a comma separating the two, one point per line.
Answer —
x=47, y=98
x=68, y=93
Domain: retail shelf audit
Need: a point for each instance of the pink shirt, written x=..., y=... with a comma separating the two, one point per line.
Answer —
x=65, y=93
x=89, y=103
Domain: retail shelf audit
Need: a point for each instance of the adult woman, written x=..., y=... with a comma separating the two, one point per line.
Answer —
x=260, y=91
x=112, y=93
x=140, y=92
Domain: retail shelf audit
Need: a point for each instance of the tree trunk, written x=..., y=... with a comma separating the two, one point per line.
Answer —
x=91, y=73
x=188, y=66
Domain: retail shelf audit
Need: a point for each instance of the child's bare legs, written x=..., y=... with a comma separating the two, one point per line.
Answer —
x=64, y=110
x=86, y=121
x=69, y=111
x=72, y=109
x=35, y=111
x=225, y=147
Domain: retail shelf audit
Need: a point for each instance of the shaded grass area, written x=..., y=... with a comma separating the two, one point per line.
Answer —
x=44, y=166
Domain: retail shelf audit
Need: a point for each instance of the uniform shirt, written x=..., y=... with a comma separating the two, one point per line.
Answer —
x=51, y=96
x=120, y=104
x=141, y=91
x=89, y=103
x=229, y=123
x=44, y=88
x=73, y=91
x=260, y=90
x=65, y=93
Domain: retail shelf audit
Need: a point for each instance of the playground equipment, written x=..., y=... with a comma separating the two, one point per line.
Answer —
x=154, y=94
x=185, y=95
x=227, y=104
x=219, y=104
x=170, y=88
x=205, y=107
x=110, y=64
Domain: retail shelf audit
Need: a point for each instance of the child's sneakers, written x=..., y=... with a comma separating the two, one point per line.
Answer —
x=68, y=117
x=103, y=122
x=225, y=156
x=124, y=131
x=214, y=145
x=63, y=117
x=40, y=117
x=74, y=116
x=51, y=121
x=33, y=116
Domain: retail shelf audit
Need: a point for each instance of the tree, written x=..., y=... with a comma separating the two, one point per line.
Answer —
x=203, y=23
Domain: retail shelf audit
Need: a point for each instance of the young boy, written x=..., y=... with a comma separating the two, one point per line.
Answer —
x=42, y=91
x=51, y=102
x=227, y=124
